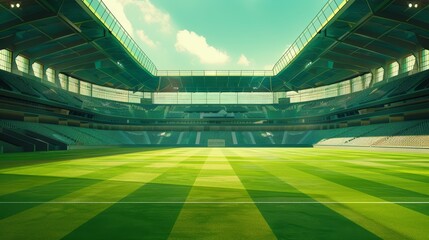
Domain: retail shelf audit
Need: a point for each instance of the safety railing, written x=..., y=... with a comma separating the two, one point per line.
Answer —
x=107, y=18
x=322, y=18
x=239, y=73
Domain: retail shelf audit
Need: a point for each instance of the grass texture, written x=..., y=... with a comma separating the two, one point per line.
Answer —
x=214, y=193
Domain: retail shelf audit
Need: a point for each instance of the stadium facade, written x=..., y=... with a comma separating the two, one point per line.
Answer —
x=160, y=154
x=71, y=76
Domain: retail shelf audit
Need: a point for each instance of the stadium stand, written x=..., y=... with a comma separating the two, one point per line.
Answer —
x=333, y=102
x=423, y=84
x=21, y=84
x=400, y=134
x=414, y=136
x=398, y=91
x=142, y=150
x=385, y=92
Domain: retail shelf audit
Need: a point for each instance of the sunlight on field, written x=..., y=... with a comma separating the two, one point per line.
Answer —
x=231, y=193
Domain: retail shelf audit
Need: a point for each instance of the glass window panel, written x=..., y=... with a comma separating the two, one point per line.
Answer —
x=393, y=69
x=357, y=84
x=147, y=95
x=379, y=74
x=73, y=85
x=344, y=88
x=165, y=98
x=50, y=75
x=408, y=64
x=331, y=90
x=199, y=98
x=135, y=97
x=228, y=98
x=184, y=98
x=37, y=70
x=424, y=65
x=98, y=91
x=110, y=93
x=22, y=63
x=277, y=95
x=367, y=80
x=63, y=81
x=6, y=60
x=85, y=88
x=213, y=98
x=255, y=98
x=294, y=96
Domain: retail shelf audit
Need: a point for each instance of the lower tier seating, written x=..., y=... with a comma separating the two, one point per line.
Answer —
x=399, y=134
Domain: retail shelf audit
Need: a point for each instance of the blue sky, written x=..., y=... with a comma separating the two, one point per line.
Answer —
x=214, y=34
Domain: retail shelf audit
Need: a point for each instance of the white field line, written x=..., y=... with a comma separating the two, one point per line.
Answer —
x=260, y=160
x=353, y=202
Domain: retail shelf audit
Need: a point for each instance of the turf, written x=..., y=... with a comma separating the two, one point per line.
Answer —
x=214, y=193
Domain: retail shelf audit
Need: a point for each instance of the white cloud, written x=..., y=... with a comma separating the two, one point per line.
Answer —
x=117, y=9
x=243, y=61
x=149, y=12
x=188, y=41
x=153, y=15
x=144, y=38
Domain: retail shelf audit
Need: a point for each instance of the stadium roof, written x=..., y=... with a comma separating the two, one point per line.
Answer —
x=346, y=39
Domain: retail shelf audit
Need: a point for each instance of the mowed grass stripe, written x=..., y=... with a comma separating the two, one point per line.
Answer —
x=91, y=173
x=28, y=160
x=67, y=169
x=315, y=154
x=388, y=221
x=296, y=221
x=391, y=171
x=54, y=221
x=144, y=221
x=374, y=176
x=144, y=169
x=405, y=167
x=421, y=163
x=49, y=170
x=10, y=183
x=49, y=191
x=217, y=182
x=375, y=186
x=58, y=224
x=360, y=169
x=42, y=193
x=376, y=154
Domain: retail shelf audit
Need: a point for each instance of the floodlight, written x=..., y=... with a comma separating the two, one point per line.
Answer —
x=18, y=5
x=12, y=5
x=416, y=5
x=410, y=5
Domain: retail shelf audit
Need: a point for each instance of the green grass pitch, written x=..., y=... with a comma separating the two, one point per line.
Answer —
x=214, y=193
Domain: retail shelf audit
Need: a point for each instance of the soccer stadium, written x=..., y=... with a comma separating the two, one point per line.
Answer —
x=327, y=139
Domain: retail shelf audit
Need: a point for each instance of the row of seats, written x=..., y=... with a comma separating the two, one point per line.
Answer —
x=400, y=134
x=414, y=136
x=379, y=92
x=50, y=92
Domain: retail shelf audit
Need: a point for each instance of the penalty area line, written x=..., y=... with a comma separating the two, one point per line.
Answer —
x=64, y=202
